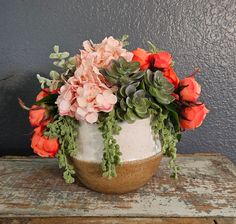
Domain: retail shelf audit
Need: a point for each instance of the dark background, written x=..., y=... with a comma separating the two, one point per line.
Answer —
x=199, y=33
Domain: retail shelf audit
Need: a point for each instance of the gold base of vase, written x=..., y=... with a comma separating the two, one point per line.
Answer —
x=130, y=175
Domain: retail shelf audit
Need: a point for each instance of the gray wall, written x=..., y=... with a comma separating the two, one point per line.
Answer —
x=197, y=32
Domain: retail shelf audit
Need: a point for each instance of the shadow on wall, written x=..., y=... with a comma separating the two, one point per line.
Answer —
x=15, y=137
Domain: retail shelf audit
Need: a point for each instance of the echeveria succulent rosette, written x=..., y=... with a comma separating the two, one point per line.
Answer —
x=106, y=84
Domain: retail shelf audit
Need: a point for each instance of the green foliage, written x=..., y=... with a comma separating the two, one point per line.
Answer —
x=142, y=94
x=52, y=83
x=109, y=127
x=54, y=75
x=174, y=117
x=62, y=59
x=65, y=129
x=124, y=41
x=162, y=126
x=159, y=87
x=123, y=72
x=152, y=48
x=132, y=103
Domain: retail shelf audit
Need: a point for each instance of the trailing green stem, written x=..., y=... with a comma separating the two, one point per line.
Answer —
x=65, y=129
x=108, y=125
x=161, y=125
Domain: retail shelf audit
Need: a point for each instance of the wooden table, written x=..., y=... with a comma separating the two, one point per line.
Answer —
x=32, y=191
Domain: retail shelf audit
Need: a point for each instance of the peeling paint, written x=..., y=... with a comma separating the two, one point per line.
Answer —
x=34, y=187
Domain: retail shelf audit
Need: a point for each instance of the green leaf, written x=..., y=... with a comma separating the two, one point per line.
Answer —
x=120, y=114
x=153, y=91
x=148, y=78
x=56, y=49
x=123, y=105
x=152, y=47
x=179, y=136
x=174, y=116
x=44, y=81
x=62, y=60
x=130, y=89
x=138, y=75
x=129, y=102
x=123, y=39
x=131, y=115
x=140, y=94
x=128, y=119
x=65, y=54
x=61, y=63
x=53, y=56
x=125, y=80
x=142, y=85
x=155, y=106
x=141, y=110
x=164, y=99
x=122, y=91
x=54, y=75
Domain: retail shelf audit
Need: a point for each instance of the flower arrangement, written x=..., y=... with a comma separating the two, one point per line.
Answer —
x=106, y=84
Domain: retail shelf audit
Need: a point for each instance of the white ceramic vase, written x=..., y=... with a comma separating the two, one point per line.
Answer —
x=141, y=155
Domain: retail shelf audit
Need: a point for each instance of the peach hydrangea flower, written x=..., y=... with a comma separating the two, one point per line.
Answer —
x=87, y=93
x=84, y=101
x=109, y=49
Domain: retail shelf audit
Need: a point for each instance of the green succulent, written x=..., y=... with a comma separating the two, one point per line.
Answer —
x=159, y=87
x=133, y=103
x=123, y=72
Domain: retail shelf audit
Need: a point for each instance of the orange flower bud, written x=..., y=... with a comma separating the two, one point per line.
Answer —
x=170, y=74
x=193, y=116
x=162, y=59
x=190, y=89
x=37, y=115
x=141, y=56
x=42, y=145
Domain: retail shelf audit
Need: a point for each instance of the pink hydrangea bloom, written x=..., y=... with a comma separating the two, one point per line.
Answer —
x=87, y=92
x=109, y=49
x=84, y=101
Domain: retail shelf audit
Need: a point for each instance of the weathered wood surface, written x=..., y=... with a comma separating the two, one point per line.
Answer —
x=116, y=220
x=35, y=188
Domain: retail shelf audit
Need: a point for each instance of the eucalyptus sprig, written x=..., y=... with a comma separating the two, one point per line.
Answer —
x=152, y=48
x=65, y=129
x=65, y=63
x=124, y=39
x=61, y=59
x=52, y=83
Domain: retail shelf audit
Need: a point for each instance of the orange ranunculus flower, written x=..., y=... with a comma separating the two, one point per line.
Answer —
x=170, y=74
x=162, y=59
x=193, y=116
x=190, y=90
x=42, y=94
x=37, y=115
x=45, y=92
x=42, y=145
x=141, y=56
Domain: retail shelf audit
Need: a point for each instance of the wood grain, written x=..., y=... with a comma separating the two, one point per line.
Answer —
x=117, y=220
x=33, y=187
